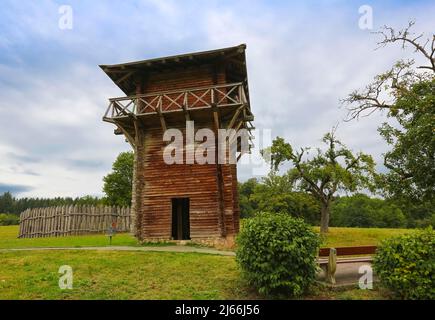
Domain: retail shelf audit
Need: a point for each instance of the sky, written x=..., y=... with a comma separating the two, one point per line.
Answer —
x=302, y=58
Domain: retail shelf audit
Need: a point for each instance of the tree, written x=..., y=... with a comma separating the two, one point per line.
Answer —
x=412, y=158
x=407, y=94
x=276, y=194
x=246, y=203
x=417, y=214
x=360, y=210
x=118, y=183
x=330, y=171
x=6, y=203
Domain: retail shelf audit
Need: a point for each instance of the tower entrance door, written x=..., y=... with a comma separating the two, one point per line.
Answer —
x=180, y=219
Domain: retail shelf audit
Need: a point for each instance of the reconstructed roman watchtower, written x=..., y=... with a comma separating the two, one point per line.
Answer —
x=181, y=200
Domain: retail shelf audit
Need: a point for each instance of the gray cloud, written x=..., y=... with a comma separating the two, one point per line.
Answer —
x=14, y=189
x=85, y=164
x=23, y=158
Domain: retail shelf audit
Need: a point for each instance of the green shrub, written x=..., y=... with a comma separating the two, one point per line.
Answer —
x=277, y=253
x=406, y=265
x=9, y=219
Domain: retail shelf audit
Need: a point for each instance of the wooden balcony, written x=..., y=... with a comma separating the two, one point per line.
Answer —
x=221, y=106
x=185, y=100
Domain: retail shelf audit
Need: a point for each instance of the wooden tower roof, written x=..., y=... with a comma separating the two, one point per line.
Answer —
x=123, y=74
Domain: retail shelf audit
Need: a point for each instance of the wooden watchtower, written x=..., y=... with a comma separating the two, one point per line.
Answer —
x=181, y=201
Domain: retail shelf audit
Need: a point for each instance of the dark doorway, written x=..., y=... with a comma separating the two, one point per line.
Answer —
x=180, y=219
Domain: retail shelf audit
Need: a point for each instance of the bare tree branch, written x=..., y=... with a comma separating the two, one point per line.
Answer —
x=407, y=37
x=381, y=93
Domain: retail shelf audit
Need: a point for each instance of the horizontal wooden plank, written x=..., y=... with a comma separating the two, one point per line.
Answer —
x=349, y=251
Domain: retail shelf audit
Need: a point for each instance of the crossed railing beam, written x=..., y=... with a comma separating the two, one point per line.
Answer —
x=177, y=100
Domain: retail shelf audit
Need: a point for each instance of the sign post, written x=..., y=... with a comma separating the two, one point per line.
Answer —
x=111, y=232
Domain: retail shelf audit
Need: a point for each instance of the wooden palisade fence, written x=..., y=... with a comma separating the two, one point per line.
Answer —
x=72, y=220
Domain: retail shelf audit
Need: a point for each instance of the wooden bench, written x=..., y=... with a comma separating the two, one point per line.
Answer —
x=328, y=258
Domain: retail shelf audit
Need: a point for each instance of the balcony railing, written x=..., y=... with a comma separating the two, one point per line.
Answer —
x=178, y=100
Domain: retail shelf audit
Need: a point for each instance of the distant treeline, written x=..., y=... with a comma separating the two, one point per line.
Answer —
x=357, y=210
x=12, y=205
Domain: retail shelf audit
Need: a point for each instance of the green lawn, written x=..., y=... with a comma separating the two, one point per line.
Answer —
x=8, y=239
x=337, y=237
x=120, y=275
x=348, y=237
x=134, y=275
x=144, y=275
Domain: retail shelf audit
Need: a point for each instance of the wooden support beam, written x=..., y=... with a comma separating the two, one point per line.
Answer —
x=219, y=177
x=234, y=118
x=249, y=117
x=216, y=118
x=184, y=106
x=162, y=120
x=240, y=124
x=160, y=113
x=124, y=77
x=129, y=137
x=186, y=113
x=138, y=135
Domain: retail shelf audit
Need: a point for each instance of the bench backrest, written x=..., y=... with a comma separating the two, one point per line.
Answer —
x=348, y=251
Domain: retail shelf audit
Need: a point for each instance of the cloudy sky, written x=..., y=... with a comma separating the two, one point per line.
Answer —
x=302, y=58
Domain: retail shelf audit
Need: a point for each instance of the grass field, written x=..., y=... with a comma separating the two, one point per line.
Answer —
x=8, y=239
x=144, y=275
x=348, y=237
x=337, y=237
x=120, y=275
x=134, y=275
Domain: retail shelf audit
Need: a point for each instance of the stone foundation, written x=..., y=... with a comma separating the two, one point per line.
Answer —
x=218, y=243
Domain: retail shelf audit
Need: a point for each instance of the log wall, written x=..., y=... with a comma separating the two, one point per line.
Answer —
x=211, y=188
x=162, y=182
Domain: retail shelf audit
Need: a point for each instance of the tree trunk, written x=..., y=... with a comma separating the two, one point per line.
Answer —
x=324, y=218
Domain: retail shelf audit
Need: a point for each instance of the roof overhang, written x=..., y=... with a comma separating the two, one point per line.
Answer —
x=123, y=74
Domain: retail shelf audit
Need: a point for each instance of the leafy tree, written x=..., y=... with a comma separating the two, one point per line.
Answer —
x=6, y=203
x=323, y=175
x=407, y=94
x=246, y=203
x=360, y=210
x=417, y=214
x=273, y=194
x=118, y=183
x=276, y=194
x=412, y=158
x=279, y=152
